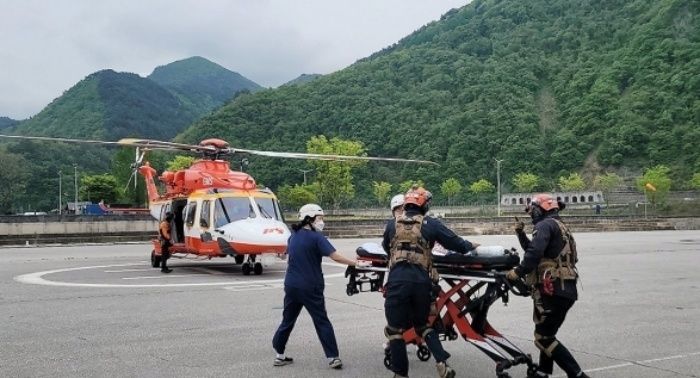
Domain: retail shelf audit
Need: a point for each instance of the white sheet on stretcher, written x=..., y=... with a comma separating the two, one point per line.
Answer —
x=482, y=251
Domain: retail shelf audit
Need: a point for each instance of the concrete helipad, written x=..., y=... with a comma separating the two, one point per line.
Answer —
x=101, y=310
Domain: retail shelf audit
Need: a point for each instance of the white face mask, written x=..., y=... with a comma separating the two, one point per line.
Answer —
x=318, y=225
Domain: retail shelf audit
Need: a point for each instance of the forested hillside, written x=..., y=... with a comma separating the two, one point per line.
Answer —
x=550, y=87
x=303, y=79
x=110, y=105
x=200, y=84
x=7, y=122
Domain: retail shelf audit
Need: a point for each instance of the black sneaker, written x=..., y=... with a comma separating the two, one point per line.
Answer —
x=166, y=270
x=283, y=361
x=336, y=363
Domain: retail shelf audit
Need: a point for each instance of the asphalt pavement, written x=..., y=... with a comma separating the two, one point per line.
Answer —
x=102, y=311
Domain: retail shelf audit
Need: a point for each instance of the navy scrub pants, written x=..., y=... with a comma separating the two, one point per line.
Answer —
x=312, y=299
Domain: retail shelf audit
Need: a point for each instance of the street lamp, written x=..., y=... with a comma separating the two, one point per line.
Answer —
x=60, y=183
x=498, y=185
x=75, y=170
x=305, y=171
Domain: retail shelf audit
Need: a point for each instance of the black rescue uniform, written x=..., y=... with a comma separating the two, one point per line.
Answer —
x=552, y=296
x=409, y=292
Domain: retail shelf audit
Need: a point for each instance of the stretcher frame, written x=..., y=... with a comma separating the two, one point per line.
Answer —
x=462, y=309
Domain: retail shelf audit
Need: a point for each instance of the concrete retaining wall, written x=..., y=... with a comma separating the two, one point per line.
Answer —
x=55, y=229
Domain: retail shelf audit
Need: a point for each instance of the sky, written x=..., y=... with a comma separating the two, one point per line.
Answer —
x=47, y=46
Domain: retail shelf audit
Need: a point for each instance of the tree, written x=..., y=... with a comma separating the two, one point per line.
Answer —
x=381, y=190
x=294, y=197
x=571, y=183
x=481, y=187
x=695, y=181
x=408, y=184
x=97, y=188
x=655, y=183
x=13, y=180
x=334, y=178
x=526, y=182
x=450, y=188
x=606, y=183
x=180, y=162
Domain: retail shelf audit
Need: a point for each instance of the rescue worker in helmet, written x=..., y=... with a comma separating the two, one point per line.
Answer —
x=166, y=241
x=408, y=241
x=549, y=266
x=396, y=205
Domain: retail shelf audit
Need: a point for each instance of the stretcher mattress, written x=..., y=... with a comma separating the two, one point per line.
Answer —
x=445, y=258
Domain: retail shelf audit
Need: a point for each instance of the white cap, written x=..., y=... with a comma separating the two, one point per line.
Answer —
x=310, y=210
x=396, y=201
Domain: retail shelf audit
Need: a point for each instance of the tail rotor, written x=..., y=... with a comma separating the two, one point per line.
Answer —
x=135, y=166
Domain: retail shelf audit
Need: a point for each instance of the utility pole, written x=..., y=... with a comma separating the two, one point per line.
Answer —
x=498, y=184
x=60, y=183
x=305, y=171
x=75, y=176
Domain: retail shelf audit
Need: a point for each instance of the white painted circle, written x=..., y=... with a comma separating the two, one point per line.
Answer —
x=38, y=279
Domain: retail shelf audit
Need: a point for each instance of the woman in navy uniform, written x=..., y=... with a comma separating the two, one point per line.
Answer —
x=304, y=285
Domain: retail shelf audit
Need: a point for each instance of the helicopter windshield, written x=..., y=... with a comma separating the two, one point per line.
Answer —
x=231, y=209
x=268, y=208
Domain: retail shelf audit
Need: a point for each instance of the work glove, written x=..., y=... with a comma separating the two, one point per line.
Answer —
x=512, y=275
x=519, y=226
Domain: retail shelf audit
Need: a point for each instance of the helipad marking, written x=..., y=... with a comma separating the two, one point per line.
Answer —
x=37, y=278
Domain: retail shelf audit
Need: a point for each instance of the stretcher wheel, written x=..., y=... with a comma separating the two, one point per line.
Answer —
x=423, y=353
x=257, y=269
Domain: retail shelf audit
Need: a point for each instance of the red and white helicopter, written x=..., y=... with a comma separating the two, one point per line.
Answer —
x=217, y=212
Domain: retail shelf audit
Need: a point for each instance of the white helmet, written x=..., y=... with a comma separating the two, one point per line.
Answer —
x=396, y=201
x=310, y=210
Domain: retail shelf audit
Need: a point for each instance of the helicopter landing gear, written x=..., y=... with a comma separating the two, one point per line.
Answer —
x=155, y=260
x=251, y=266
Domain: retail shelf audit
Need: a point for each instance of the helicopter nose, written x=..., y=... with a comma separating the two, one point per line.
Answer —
x=258, y=232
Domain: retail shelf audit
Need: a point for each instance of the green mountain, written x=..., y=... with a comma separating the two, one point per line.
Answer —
x=6, y=122
x=548, y=86
x=110, y=105
x=201, y=84
x=303, y=79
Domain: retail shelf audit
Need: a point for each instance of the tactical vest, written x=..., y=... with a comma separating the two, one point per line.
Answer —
x=562, y=267
x=409, y=245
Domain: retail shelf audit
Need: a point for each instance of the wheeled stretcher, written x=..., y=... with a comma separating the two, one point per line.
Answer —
x=469, y=285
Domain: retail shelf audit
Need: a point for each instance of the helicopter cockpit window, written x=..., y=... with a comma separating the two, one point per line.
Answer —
x=268, y=208
x=231, y=209
x=204, y=214
x=191, y=210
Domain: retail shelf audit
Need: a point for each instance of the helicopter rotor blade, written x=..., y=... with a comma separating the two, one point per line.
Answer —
x=161, y=145
x=299, y=155
x=69, y=140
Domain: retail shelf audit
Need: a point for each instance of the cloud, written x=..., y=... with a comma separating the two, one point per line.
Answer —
x=48, y=46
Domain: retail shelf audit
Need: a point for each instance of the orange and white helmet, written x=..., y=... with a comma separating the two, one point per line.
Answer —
x=543, y=200
x=418, y=196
